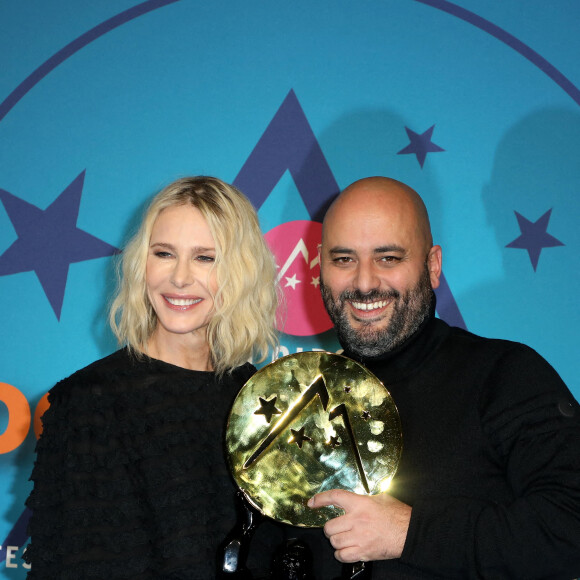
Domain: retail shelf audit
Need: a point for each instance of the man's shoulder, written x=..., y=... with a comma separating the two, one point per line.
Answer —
x=467, y=339
x=502, y=355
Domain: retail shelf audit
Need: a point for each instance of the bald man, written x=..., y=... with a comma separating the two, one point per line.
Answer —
x=489, y=480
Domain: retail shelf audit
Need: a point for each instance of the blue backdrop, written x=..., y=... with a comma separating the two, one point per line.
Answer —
x=474, y=104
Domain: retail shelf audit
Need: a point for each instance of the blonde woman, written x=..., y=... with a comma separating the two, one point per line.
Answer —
x=130, y=479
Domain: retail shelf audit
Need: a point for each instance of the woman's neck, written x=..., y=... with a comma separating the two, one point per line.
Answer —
x=189, y=351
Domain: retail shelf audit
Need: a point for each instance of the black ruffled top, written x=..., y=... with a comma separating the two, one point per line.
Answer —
x=130, y=479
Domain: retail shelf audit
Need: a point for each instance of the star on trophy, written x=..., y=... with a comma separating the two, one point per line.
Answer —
x=306, y=423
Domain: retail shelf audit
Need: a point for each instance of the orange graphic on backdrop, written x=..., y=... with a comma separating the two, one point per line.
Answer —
x=18, y=418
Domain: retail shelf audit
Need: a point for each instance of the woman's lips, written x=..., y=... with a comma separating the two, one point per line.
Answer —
x=178, y=303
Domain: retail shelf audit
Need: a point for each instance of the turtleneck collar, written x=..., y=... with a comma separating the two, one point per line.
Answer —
x=409, y=356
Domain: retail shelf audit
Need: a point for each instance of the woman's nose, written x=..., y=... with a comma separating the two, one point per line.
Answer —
x=182, y=275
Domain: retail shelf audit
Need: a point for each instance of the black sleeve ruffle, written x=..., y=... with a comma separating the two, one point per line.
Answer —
x=130, y=479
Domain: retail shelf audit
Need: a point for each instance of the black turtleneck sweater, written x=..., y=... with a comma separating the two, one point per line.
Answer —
x=491, y=459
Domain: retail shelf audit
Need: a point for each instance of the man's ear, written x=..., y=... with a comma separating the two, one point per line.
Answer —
x=319, y=248
x=434, y=261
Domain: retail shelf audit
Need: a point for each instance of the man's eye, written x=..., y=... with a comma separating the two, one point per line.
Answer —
x=342, y=260
x=390, y=259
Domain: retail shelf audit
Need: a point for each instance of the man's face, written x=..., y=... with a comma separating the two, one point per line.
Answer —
x=377, y=274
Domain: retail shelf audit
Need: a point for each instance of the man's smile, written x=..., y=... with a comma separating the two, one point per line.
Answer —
x=369, y=305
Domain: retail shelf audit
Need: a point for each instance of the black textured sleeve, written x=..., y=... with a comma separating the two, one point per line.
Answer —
x=533, y=423
x=85, y=514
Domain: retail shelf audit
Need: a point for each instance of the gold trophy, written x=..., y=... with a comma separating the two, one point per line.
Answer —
x=307, y=423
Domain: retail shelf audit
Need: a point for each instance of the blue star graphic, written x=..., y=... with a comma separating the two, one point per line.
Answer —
x=49, y=241
x=534, y=237
x=420, y=145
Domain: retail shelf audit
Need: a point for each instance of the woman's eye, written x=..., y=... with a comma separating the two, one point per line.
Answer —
x=162, y=254
x=206, y=258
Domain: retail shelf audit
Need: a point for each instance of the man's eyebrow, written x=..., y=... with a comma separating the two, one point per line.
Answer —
x=340, y=250
x=389, y=248
x=379, y=250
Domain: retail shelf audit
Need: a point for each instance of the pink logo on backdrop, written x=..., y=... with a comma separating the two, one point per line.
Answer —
x=295, y=247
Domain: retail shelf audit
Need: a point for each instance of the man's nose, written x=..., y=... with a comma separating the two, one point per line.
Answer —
x=367, y=278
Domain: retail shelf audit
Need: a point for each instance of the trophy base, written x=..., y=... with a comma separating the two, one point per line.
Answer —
x=292, y=560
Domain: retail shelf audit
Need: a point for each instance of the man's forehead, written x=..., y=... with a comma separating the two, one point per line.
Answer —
x=369, y=227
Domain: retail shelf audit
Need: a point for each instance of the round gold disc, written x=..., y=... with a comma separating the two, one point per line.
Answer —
x=310, y=422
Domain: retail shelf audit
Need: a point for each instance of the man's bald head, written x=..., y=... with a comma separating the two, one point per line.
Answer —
x=388, y=197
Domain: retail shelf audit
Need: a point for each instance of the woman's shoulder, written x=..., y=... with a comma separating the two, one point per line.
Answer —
x=240, y=375
x=99, y=375
x=246, y=370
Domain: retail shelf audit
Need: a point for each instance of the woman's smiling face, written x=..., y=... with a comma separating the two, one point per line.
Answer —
x=180, y=278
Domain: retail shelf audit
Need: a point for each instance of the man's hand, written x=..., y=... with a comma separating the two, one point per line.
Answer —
x=373, y=527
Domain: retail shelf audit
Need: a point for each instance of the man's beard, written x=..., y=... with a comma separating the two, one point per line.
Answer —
x=409, y=311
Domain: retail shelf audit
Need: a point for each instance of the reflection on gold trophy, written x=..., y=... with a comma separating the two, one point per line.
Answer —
x=310, y=422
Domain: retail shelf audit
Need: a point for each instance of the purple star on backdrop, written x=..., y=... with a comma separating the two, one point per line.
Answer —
x=49, y=241
x=534, y=237
x=420, y=145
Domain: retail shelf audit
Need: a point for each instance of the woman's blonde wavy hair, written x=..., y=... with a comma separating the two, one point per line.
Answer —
x=242, y=327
